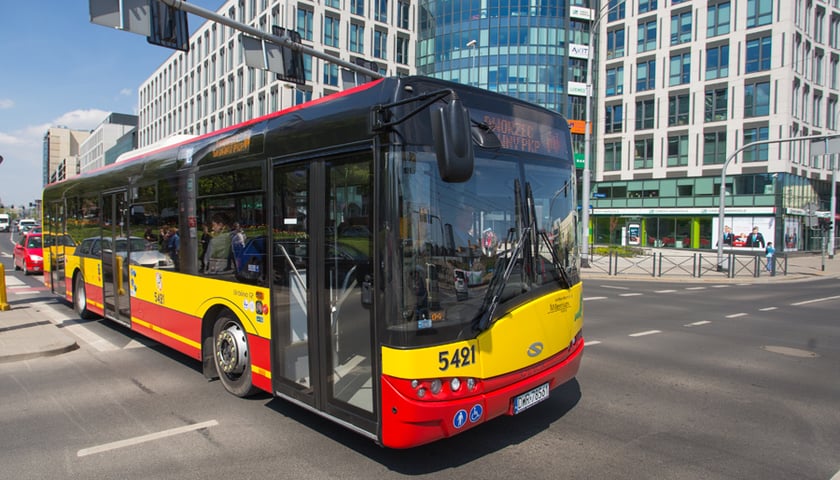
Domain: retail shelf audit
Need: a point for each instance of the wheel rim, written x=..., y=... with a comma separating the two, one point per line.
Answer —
x=81, y=298
x=231, y=350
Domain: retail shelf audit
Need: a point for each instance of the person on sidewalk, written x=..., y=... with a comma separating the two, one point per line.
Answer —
x=769, y=252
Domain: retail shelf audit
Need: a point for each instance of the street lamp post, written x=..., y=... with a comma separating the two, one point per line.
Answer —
x=587, y=135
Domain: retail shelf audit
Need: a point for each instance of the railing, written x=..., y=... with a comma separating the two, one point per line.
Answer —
x=694, y=264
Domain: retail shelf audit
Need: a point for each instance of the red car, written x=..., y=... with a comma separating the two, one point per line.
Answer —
x=29, y=255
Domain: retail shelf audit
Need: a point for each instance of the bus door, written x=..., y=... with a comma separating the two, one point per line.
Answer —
x=322, y=287
x=57, y=248
x=115, y=257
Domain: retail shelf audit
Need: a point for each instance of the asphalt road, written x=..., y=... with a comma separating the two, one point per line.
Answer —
x=678, y=381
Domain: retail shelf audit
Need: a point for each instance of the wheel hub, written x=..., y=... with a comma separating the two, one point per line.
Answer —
x=231, y=350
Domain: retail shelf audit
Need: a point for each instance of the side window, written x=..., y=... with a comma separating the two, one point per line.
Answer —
x=232, y=225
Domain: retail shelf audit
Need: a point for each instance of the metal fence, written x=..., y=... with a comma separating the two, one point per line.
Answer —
x=696, y=264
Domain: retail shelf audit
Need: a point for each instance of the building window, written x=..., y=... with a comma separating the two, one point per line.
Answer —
x=403, y=19
x=617, y=10
x=678, y=151
x=759, y=51
x=714, y=148
x=681, y=28
x=645, y=114
x=831, y=114
x=380, y=10
x=331, y=74
x=646, y=75
x=759, y=13
x=357, y=38
x=757, y=153
x=615, y=43
x=305, y=19
x=357, y=7
x=647, y=37
x=643, y=151
x=402, y=50
x=612, y=156
x=331, y=29
x=716, y=104
x=615, y=81
x=757, y=99
x=717, y=62
x=678, y=109
x=680, y=73
x=614, y=118
x=380, y=44
x=717, y=19
x=817, y=111
x=647, y=6
x=333, y=3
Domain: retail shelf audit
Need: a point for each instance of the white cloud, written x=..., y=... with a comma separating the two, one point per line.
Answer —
x=22, y=149
x=127, y=92
x=80, y=119
x=5, y=103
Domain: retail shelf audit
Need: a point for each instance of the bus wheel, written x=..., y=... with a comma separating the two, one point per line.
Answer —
x=80, y=299
x=231, y=355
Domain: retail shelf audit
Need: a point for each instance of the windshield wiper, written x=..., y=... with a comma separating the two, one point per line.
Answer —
x=499, y=282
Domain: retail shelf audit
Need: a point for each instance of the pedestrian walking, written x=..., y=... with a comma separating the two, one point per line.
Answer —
x=769, y=252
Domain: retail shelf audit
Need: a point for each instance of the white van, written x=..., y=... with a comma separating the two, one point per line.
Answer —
x=5, y=222
x=25, y=224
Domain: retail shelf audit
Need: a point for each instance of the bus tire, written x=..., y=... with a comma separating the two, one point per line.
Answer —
x=232, y=356
x=80, y=299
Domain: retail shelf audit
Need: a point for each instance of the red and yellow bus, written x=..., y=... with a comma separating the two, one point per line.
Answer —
x=400, y=258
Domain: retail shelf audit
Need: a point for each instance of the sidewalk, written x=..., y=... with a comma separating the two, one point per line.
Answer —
x=27, y=332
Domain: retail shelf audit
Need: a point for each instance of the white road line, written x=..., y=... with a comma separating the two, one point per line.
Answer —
x=630, y=294
x=696, y=324
x=736, y=315
x=767, y=309
x=806, y=302
x=79, y=330
x=615, y=287
x=695, y=288
x=593, y=342
x=145, y=438
x=642, y=334
x=593, y=298
x=664, y=291
x=720, y=286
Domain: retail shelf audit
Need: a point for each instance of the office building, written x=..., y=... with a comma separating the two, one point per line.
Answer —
x=681, y=87
x=210, y=87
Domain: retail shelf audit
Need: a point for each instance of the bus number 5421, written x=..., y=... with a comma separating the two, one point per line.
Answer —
x=458, y=358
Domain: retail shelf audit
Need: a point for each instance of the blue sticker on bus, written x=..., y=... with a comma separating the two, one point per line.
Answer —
x=475, y=413
x=459, y=419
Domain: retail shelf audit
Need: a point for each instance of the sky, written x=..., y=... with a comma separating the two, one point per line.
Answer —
x=58, y=69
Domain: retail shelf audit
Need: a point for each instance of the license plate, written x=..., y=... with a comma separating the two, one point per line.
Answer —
x=530, y=398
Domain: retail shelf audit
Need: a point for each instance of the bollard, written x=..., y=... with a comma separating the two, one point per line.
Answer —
x=4, y=305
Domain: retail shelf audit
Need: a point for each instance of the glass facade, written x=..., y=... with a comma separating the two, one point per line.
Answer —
x=517, y=47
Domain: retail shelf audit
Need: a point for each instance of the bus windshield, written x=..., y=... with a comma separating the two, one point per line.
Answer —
x=455, y=237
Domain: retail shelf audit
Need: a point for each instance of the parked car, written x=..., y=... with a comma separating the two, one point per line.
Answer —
x=143, y=253
x=29, y=253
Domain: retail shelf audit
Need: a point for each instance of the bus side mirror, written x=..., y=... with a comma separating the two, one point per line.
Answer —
x=453, y=141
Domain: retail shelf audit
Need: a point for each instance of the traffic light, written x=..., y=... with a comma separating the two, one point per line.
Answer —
x=825, y=223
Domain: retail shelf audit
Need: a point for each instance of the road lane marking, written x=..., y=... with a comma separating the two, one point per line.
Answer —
x=593, y=342
x=630, y=294
x=767, y=309
x=695, y=288
x=736, y=315
x=696, y=324
x=664, y=291
x=145, y=438
x=615, y=287
x=585, y=299
x=806, y=302
x=642, y=334
x=720, y=286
